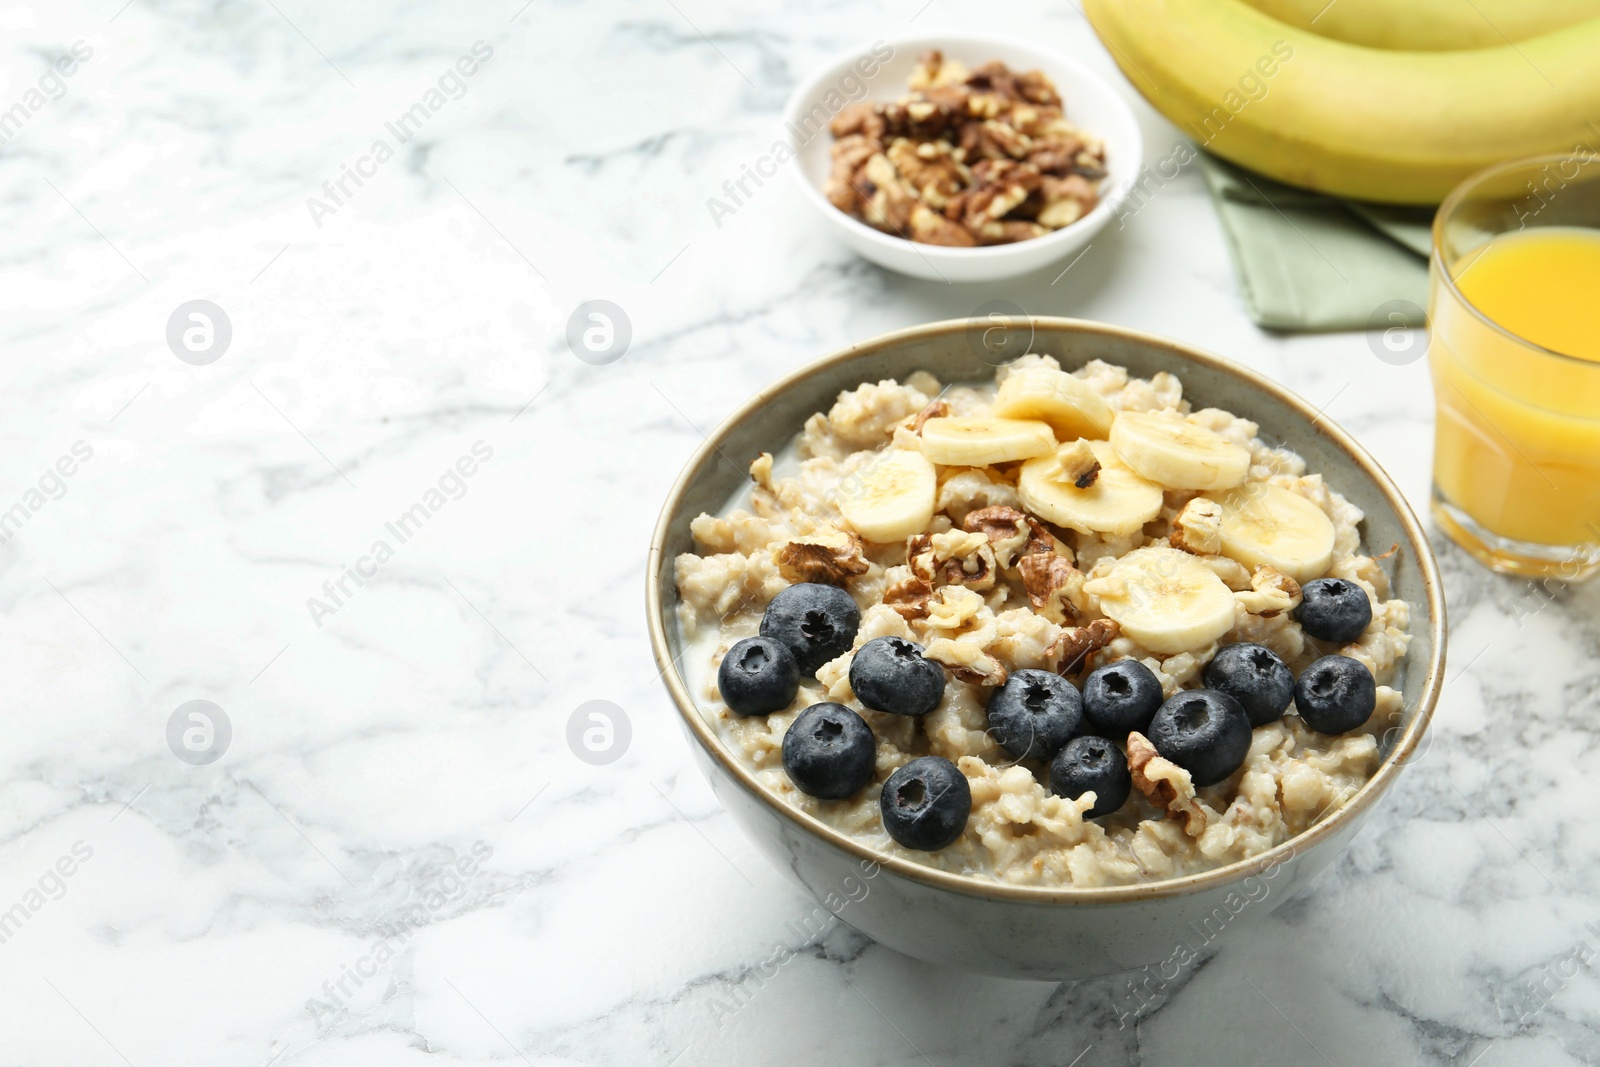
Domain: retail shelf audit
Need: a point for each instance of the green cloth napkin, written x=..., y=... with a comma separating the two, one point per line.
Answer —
x=1310, y=262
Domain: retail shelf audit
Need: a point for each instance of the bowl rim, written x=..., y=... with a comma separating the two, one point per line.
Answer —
x=1087, y=225
x=968, y=885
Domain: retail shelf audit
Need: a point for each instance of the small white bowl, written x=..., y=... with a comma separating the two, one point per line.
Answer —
x=1088, y=99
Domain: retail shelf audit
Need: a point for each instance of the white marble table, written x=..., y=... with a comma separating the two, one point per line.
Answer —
x=398, y=858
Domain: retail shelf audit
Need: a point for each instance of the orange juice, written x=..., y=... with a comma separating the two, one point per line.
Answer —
x=1517, y=445
x=1543, y=285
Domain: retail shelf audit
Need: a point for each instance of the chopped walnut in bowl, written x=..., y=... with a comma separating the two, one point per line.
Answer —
x=968, y=157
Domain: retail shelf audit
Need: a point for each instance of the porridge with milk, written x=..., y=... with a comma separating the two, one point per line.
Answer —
x=1066, y=629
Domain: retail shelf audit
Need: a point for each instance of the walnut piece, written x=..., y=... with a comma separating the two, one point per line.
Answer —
x=859, y=118
x=952, y=607
x=847, y=187
x=1071, y=651
x=909, y=597
x=953, y=557
x=935, y=175
x=931, y=228
x=936, y=409
x=1234, y=575
x=1198, y=527
x=1012, y=534
x=808, y=561
x=965, y=658
x=1168, y=785
x=1271, y=593
x=888, y=201
x=1054, y=586
x=1078, y=463
x=959, y=630
x=929, y=67
x=994, y=676
x=761, y=470
x=1066, y=200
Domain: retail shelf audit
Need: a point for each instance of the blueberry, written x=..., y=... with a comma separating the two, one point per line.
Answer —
x=1203, y=731
x=1121, y=696
x=1092, y=764
x=758, y=675
x=818, y=622
x=1035, y=713
x=1255, y=677
x=926, y=803
x=1334, y=610
x=1335, y=694
x=829, y=752
x=890, y=674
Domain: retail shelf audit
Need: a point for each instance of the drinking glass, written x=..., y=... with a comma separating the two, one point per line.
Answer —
x=1516, y=475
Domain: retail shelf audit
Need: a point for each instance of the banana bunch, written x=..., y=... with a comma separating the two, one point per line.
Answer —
x=1379, y=100
x=1430, y=25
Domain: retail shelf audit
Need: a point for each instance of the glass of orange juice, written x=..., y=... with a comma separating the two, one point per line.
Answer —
x=1514, y=350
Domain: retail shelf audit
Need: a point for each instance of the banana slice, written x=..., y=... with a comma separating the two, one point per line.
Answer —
x=978, y=441
x=891, y=498
x=1070, y=405
x=1265, y=526
x=1118, y=501
x=1174, y=452
x=1166, y=600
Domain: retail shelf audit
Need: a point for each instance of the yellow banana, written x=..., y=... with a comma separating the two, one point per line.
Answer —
x=1430, y=25
x=1396, y=127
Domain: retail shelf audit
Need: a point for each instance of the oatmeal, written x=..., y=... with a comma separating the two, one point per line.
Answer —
x=1005, y=581
x=979, y=157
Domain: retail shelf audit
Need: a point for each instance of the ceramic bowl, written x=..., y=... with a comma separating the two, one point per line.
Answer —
x=1090, y=101
x=1032, y=931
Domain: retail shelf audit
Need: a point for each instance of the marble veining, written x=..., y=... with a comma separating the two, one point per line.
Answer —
x=406, y=852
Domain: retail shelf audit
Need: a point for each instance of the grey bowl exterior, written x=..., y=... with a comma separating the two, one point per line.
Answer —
x=1031, y=931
